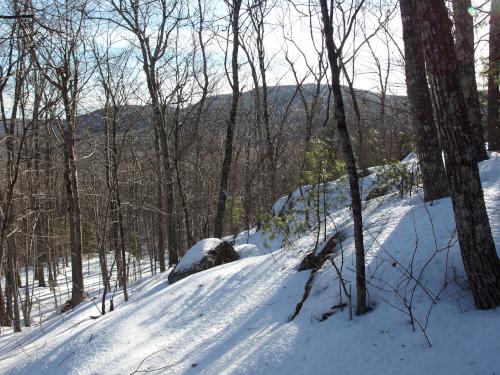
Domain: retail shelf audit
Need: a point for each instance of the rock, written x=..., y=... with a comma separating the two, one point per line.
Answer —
x=314, y=260
x=222, y=253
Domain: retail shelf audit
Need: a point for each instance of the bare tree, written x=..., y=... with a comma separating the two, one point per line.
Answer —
x=334, y=53
x=62, y=60
x=8, y=66
x=111, y=76
x=139, y=19
x=235, y=8
x=14, y=150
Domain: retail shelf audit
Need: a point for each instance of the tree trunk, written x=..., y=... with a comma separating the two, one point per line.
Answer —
x=160, y=244
x=12, y=174
x=464, y=47
x=173, y=248
x=39, y=249
x=270, y=152
x=182, y=195
x=494, y=78
x=428, y=149
x=12, y=285
x=124, y=274
x=73, y=209
x=71, y=183
x=231, y=124
x=168, y=182
x=117, y=206
x=352, y=172
x=361, y=154
x=40, y=257
x=4, y=317
x=474, y=233
x=27, y=305
x=49, y=217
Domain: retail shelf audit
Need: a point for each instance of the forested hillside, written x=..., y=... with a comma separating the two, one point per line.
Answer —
x=252, y=316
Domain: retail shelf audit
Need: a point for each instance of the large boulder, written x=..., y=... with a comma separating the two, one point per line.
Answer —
x=205, y=254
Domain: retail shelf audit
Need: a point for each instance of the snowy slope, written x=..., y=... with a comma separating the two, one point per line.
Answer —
x=234, y=319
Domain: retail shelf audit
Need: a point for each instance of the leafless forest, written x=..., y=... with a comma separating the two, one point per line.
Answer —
x=133, y=129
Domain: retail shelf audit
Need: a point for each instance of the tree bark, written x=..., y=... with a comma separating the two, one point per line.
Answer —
x=4, y=317
x=160, y=245
x=428, y=149
x=494, y=78
x=72, y=193
x=464, y=47
x=73, y=210
x=13, y=158
x=119, y=231
x=173, y=248
x=340, y=119
x=477, y=247
x=12, y=282
x=168, y=182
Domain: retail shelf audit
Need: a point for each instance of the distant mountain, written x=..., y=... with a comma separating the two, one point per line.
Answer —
x=279, y=98
x=94, y=122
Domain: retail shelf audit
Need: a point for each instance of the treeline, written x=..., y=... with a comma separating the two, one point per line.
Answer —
x=165, y=161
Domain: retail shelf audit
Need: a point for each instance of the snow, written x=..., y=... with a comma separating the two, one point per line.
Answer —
x=248, y=250
x=235, y=318
x=265, y=243
x=334, y=195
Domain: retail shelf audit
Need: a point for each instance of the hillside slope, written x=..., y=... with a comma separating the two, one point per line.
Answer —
x=235, y=318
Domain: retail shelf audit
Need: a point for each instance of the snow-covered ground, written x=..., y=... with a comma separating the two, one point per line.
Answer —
x=235, y=318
